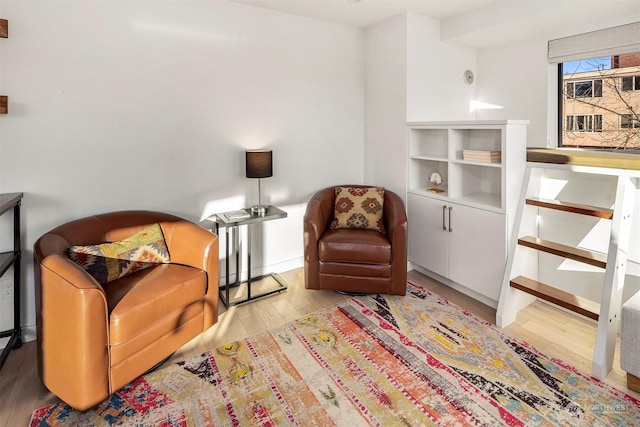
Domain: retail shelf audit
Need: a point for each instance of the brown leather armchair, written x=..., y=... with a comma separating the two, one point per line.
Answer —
x=353, y=260
x=93, y=339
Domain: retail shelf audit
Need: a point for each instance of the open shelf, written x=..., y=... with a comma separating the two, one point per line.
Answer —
x=481, y=200
x=430, y=143
x=439, y=146
x=476, y=163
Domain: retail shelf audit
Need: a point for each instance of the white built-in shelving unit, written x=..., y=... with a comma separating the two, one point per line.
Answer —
x=460, y=235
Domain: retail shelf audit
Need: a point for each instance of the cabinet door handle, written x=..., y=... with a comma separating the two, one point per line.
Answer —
x=444, y=213
x=450, y=227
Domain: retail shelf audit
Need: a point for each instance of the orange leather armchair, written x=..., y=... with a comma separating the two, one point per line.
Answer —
x=353, y=260
x=94, y=339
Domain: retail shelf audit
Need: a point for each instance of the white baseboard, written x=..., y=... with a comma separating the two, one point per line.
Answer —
x=458, y=287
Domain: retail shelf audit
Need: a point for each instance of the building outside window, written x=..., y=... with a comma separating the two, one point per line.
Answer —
x=630, y=83
x=584, y=89
x=628, y=121
x=584, y=123
x=600, y=102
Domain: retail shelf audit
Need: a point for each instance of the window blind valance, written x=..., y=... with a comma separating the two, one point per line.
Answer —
x=594, y=44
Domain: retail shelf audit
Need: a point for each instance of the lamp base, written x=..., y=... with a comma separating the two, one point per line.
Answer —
x=259, y=210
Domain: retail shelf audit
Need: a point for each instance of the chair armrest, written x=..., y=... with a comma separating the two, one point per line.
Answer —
x=316, y=221
x=395, y=218
x=72, y=326
x=319, y=213
x=189, y=244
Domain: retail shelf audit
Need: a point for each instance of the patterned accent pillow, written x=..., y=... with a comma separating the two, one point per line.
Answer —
x=110, y=261
x=359, y=207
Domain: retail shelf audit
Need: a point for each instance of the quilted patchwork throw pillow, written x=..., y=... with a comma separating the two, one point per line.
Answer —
x=107, y=262
x=359, y=207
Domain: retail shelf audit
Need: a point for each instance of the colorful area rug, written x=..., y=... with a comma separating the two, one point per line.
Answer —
x=377, y=360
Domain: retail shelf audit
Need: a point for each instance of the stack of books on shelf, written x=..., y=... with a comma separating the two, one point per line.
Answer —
x=482, y=156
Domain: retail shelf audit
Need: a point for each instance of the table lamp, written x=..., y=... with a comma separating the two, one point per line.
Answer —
x=259, y=165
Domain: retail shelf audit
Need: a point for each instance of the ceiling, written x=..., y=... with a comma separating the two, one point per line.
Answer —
x=474, y=23
x=362, y=13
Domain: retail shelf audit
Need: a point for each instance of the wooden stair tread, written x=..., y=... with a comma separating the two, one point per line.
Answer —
x=575, y=303
x=578, y=208
x=596, y=259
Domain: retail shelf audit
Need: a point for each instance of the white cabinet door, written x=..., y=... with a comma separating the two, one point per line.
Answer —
x=477, y=249
x=428, y=241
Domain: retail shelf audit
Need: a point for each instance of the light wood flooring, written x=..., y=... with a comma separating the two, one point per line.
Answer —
x=554, y=332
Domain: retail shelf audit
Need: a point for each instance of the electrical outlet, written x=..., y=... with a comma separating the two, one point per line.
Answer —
x=6, y=289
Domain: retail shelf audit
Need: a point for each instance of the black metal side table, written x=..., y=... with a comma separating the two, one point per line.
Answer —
x=231, y=221
x=10, y=201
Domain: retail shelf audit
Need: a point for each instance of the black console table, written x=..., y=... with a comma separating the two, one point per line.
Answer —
x=12, y=201
x=231, y=221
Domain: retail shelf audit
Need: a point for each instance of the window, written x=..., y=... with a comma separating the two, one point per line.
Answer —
x=629, y=121
x=600, y=102
x=630, y=83
x=599, y=88
x=584, y=89
x=597, y=123
x=584, y=123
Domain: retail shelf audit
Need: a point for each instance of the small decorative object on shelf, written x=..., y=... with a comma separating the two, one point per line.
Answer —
x=436, y=180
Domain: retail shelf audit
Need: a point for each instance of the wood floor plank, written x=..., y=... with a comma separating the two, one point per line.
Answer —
x=21, y=391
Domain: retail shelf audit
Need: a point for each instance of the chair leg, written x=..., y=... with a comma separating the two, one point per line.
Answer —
x=157, y=365
x=353, y=294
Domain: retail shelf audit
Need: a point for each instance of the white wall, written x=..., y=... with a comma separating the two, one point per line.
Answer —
x=150, y=105
x=410, y=75
x=386, y=104
x=515, y=78
x=436, y=90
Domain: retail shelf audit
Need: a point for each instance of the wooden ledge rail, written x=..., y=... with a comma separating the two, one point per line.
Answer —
x=596, y=259
x=588, y=158
x=558, y=297
x=577, y=208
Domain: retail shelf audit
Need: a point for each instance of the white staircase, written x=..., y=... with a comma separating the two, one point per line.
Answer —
x=521, y=284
